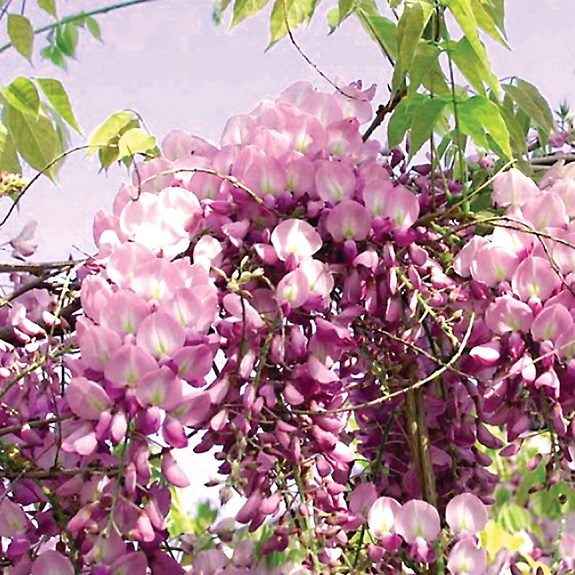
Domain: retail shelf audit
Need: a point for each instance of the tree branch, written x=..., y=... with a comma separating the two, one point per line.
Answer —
x=382, y=112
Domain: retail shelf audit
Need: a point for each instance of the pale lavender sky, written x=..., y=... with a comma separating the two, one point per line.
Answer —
x=168, y=61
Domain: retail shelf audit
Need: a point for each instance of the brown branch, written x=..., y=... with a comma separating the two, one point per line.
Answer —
x=383, y=111
x=552, y=159
x=36, y=268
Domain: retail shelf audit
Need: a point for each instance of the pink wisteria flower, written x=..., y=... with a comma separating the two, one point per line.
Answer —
x=295, y=238
x=467, y=558
x=466, y=513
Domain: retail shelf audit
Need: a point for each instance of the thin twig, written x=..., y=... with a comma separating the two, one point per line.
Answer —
x=79, y=17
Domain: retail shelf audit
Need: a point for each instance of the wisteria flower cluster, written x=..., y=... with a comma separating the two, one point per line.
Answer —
x=325, y=322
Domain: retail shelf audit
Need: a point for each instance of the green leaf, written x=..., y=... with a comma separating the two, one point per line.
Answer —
x=58, y=97
x=22, y=94
x=35, y=138
x=401, y=118
x=8, y=154
x=410, y=28
x=477, y=117
x=293, y=11
x=245, y=8
x=54, y=54
x=517, y=136
x=463, y=13
x=21, y=34
x=333, y=19
x=497, y=10
x=67, y=39
x=426, y=54
x=108, y=130
x=93, y=27
x=513, y=518
x=135, y=141
x=107, y=156
x=345, y=8
x=424, y=120
x=220, y=6
x=473, y=67
x=528, y=97
x=486, y=21
x=383, y=31
x=48, y=6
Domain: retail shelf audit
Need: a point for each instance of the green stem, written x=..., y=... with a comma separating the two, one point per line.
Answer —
x=76, y=17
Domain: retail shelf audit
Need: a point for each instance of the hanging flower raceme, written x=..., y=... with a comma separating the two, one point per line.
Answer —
x=283, y=299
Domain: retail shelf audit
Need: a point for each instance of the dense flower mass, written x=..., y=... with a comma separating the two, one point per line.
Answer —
x=327, y=323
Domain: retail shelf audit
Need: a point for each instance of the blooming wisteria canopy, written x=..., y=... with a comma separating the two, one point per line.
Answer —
x=327, y=323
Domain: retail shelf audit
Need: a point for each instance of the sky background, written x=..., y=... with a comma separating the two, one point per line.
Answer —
x=169, y=62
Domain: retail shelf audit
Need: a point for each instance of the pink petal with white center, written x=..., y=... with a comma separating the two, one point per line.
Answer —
x=494, y=264
x=87, y=399
x=402, y=207
x=97, y=344
x=157, y=280
x=535, y=278
x=238, y=130
x=124, y=261
x=307, y=134
x=297, y=238
x=207, y=252
x=334, y=181
x=194, y=409
x=265, y=177
x=417, y=518
x=177, y=144
x=182, y=208
x=128, y=365
x=300, y=174
x=52, y=563
x=513, y=188
x=551, y=322
x=151, y=176
x=344, y=138
x=466, y=558
x=376, y=194
x=508, y=314
x=320, y=280
x=124, y=312
x=194, y=308
x=159, y=388
x=194, y=363
x=137, y=212
x=546, y=210
x=293, y=289
x=273, y=142
x=381, y=516
x=79, y=438
x=468, y=255
x=466, y=513
x=94, y=295
x=487, y=353
x=160, y=335
x=348, y=220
